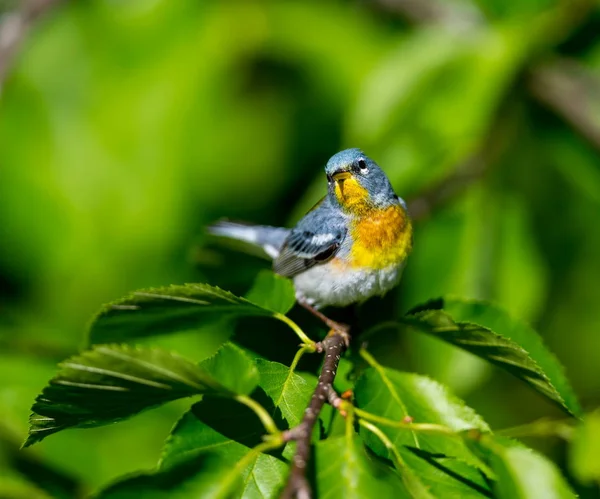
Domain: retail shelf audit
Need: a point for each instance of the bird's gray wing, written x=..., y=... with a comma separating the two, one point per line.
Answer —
x=316, y=239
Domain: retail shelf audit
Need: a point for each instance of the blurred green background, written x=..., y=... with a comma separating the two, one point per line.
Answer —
x=126, y=127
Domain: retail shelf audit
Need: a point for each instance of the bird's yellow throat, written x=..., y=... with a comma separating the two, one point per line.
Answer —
x=352, y=196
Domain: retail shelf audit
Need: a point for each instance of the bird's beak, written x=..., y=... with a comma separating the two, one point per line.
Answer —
x=339, y=176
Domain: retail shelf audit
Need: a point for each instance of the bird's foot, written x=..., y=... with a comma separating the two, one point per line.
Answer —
x=335, y=328
x=341, y=329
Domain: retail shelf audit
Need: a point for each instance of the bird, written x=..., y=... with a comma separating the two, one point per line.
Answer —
x=352, y=245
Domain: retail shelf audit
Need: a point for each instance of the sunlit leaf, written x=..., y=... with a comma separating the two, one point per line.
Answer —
x=207, y=475
x=225, y=426
x=112, y=382
x=346, y=471
x=490, y=333
x=233, y=369
x=525, y=474
x=272, y=292
x=444, y=476
x=167, y=310
x=218, y=426
x=289, y=391
x=395, y=395
x=428, y=475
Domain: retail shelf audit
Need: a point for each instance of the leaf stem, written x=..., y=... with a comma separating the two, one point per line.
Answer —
x=349, y=412
x=369, y=359
x=310, y=344
x=422, y=427
x=259, y=449
x=298, y=356
x=261, y=412
x=396, y=458
x=253, y=453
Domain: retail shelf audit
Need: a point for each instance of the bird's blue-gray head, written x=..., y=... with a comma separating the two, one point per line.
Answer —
x=357, y=183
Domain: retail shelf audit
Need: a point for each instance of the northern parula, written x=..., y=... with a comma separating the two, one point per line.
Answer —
x=351, y=246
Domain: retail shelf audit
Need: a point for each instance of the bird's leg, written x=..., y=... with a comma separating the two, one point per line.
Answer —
x=336, y=327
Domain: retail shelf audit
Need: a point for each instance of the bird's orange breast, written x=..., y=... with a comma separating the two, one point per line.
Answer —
x=381, y=238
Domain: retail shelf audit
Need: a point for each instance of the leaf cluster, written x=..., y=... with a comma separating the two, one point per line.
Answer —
x=400, y=434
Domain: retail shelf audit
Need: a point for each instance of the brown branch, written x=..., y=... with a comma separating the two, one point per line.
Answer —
x=15, y=25
x=572, y=92
x=297, y=486
x=438, y=12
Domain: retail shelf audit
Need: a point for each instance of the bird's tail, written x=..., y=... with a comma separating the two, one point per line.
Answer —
x=270, y=239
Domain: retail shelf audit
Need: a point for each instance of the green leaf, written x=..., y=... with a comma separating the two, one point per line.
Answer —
x=112, y=382
x=443, y=476
x=524, y=474
x=212, y=424
x=167, y=310
x=585, y=449
x=220, y=426
x=346, y=471
x=289, y=391
x=207, y=475
x=396, y=395
x=490, y=333
x=273, y=292
x=233, y=368
x=25, y=475
x=14, y=486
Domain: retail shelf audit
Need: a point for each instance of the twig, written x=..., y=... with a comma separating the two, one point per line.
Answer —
x=297, y=486
x=259, y=410
x=306, y=341
x=470, y=171
x=14, y=26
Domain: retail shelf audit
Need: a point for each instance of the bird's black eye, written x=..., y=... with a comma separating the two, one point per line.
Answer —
x=362, y=164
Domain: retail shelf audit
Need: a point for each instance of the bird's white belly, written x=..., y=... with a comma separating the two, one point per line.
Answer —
x=325, y=284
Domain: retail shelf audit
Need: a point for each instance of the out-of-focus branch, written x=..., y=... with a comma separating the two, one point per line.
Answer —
x=470, y=171
x=423, y=205
x=15, y=25
x=563, y=86
x=450, y=14
x=572, y=92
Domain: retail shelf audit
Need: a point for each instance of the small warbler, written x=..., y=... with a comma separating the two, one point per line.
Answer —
x=351, y=246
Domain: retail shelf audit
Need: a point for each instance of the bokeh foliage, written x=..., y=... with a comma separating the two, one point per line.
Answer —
x=126, y=127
